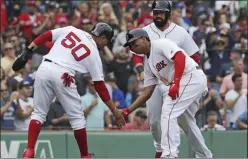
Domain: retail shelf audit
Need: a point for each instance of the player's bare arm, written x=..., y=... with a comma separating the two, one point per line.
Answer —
x=142, y=98
x=104, y=95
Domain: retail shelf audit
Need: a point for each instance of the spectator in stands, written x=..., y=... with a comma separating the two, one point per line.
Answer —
x=107, y=14
x=16, y=44
x=29, y=19
x=146, y=16
x=3, y=76
x=133, y=92
x=4, y=19
x=23, y=106
x=7, y=111
x=236, y=34
x=242, y=121
x=57, y=118
x=176, y=17
x=227, y=83
x=23, y=75
x=86, y=25
x=121, y=39
x=83, y=12
x=217, y=57
x=234, y=99
x=201, y=34
x=95, y=111
x=8, y=59
x=139, y=122
x=227, y=68
x=45, y=25
x=211, y=102
x=118, y=95
x=212, y=123
x=61, y=18
x=122, y=68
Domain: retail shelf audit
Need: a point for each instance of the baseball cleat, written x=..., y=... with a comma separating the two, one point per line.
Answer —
x=28, y=153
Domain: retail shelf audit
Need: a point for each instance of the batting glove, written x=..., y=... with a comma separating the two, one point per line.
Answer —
x=22, y=59
x=174, y=89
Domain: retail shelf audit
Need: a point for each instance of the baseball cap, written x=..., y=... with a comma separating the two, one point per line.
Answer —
x=86, y=21
x=236, y=50
x=24, y=84
x=61, y=19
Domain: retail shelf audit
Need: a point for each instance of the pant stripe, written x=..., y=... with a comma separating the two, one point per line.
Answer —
x=168, y=134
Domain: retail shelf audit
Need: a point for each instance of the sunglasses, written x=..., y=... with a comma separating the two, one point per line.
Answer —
x=10, y=48
x=3, y=90
x=220, y=43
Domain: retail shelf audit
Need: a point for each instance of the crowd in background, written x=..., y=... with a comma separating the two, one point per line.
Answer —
x=219, y=28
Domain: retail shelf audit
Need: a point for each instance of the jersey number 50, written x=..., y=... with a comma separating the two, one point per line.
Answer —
x=72, y=45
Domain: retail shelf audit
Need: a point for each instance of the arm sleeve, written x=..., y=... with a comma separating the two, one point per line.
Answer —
x=43, y=38
x=149, y=78
x=137, y=59
x=188, y=44
x=179, y=62
x=102, y=90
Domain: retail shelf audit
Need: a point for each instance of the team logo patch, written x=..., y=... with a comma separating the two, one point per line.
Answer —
x=160, y=65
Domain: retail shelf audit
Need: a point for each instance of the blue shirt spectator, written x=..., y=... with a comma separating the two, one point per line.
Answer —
x=95, y=110
x=242, y=121
x=7, y=110
x=118, y=95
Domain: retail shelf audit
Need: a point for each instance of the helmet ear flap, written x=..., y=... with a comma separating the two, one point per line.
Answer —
x=167, y=15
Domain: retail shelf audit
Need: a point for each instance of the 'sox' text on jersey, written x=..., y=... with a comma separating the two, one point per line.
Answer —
x=160, y=65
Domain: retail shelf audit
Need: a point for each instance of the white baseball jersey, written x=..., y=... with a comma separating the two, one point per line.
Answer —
x=22, y=125
x=175, y=33
x=160, y=65
x=77, y=51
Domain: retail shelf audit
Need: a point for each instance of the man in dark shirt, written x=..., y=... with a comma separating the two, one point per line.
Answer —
x=57, y=118
x=122, y=68
x=227, y=68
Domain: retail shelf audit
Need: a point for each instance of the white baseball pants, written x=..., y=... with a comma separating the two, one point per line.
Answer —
x=48, y=84
x=192, y=87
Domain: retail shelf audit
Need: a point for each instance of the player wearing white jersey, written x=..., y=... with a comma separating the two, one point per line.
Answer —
x=162, y=27
x=166, y=62
x=73, y=50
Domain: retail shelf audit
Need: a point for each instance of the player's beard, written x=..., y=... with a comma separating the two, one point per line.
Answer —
x=161, y=23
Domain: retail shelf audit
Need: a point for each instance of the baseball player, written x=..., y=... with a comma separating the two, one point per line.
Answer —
x=162, y=27
x=166, y=62
x=73, y=50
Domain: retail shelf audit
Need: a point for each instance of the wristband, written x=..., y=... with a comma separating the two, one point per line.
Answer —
x=114, y=110
x=140, y=69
